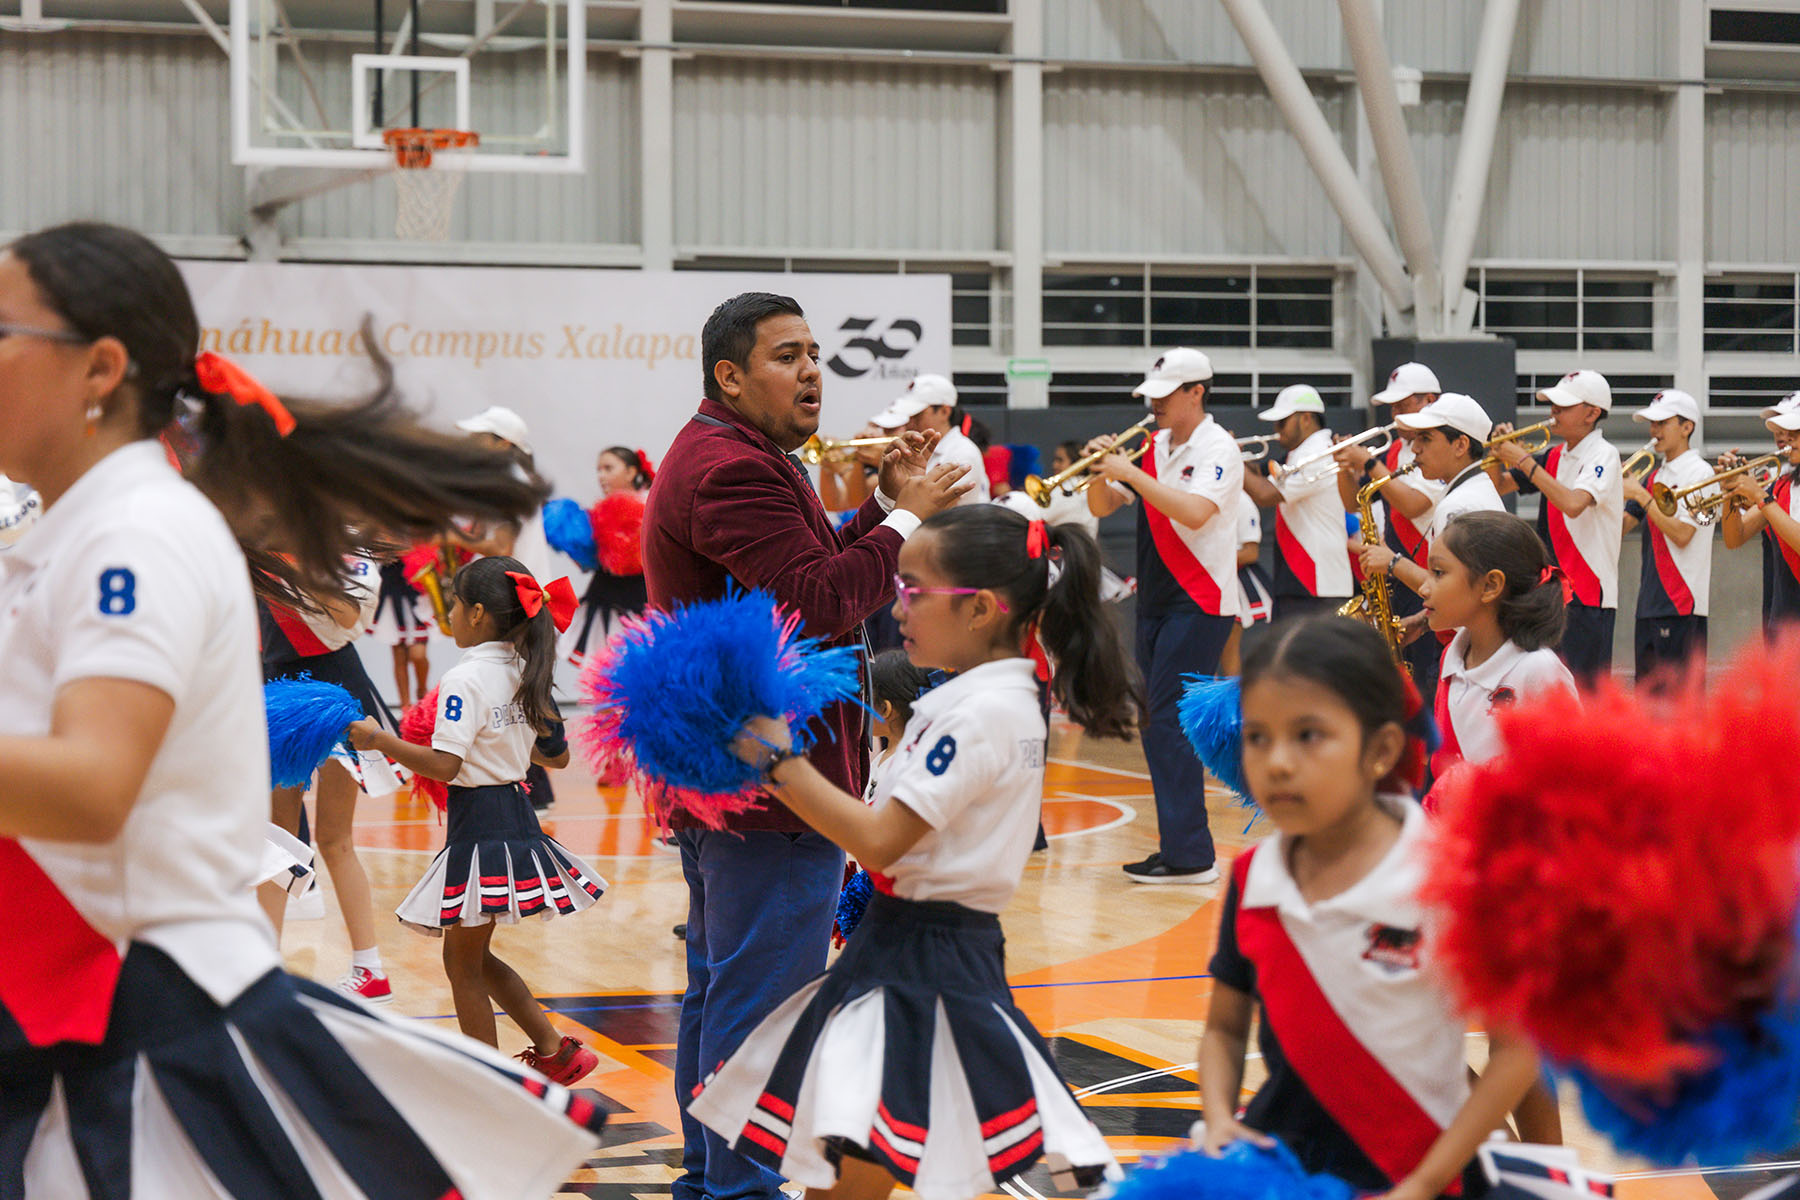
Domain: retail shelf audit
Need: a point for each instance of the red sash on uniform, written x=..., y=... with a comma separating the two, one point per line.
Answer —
x=1666, y=570
x=300, y=636
x=1783, y=487
x=1180, y=561
x=1449, y=751
x=1586, y=583
x=1365, y=1100
x=1410, y=537
x=58, y=975
x=1298, y=560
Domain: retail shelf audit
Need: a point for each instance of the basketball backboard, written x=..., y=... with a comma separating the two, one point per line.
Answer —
x=310, y=89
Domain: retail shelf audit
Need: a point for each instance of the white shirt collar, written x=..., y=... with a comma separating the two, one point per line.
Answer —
x=1684, y=456
x=499, y=650
x=1387, y=894
x=1490, y=674
x=1003, y=673
x=104, y=484
x=1193, y=439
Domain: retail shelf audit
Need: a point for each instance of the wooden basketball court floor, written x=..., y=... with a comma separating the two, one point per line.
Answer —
x=1113, y=973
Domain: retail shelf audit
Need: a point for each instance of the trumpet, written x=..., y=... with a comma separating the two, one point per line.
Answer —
x=1531, y=439
x=1641, y=463
x=1707, y=509
x=1315, y=468
x=1043, y=490
x=1254, y=448
x=816, y=449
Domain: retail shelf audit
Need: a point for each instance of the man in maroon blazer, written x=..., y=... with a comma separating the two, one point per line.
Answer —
x=732, y=504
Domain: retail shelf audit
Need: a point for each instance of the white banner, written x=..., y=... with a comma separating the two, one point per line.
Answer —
x=589, y=358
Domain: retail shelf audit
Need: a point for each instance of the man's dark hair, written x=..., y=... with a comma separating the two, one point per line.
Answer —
x=730, y=333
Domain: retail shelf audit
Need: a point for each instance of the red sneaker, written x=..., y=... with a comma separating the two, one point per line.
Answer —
x=571, y=1061
x=365, y=984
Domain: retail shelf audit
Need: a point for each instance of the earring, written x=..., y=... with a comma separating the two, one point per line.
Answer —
x=94, y=413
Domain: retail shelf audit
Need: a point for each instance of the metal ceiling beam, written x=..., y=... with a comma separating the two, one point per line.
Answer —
x=1475, y=154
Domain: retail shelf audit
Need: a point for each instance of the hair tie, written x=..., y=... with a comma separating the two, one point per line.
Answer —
x=222, y=377
x=643, y=462
x=533, y=596
x=1037, y=539
x=1554, y=574
x=1548, y=573
x=1421, y=738
x=968, y=423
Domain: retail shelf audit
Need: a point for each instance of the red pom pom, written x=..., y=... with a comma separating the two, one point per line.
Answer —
x=619, y=532
x=416, y=725
x=1624, y=875
x=422, y=555
x=997, y=461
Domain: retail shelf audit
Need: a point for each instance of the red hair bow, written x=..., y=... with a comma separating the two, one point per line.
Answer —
x=533, y=596
x=1037, y=540
x=644, y=466
x=222, y=377
x=1555, y=573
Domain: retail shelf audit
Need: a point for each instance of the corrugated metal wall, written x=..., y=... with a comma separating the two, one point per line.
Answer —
x=1587, y=38
x=126, y=129
x=1606, y=38
x=136, y=129
x=1753, y=177
x=1578, y=173
x=1147, y=164
x=1185, y=30
x=836, y=155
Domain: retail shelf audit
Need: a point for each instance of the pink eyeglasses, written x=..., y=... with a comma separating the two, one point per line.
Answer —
x=904, y=593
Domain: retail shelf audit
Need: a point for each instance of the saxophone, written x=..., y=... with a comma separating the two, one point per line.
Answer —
x=1376, y=605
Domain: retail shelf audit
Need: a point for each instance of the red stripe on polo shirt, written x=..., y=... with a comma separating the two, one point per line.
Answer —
x=1678, y=591
x=1449, y=751
x=1193, y=578
x=1782, y=489
x=1410, y=536
x=1365, y=1100
x=1582, y=576
x=1298, y=560
x=305, y=642
x=58, y=975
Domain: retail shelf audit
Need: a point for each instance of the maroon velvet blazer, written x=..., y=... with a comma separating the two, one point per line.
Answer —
x=727, y=506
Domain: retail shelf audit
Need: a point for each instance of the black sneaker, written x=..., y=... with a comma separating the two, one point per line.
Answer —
x=1155, y=870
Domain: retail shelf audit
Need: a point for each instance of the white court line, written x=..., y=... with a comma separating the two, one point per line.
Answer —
x=1073, y=762
x=1127, y=815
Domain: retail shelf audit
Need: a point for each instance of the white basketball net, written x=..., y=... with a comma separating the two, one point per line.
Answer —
x=425, y=197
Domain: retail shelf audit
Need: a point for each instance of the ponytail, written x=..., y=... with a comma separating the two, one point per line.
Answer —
x=303, y=483
x=1532, y=610
x=486, y=582
x=1095, y=679
x=1050, y=574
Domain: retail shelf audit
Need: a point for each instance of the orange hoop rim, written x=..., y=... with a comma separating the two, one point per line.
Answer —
x=413, y=148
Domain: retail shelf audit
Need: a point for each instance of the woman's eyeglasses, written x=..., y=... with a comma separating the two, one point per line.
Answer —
x=904, y=593
x=53, y=335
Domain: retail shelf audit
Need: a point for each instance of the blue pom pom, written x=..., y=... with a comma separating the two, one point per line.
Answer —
x=1025, y=461
x=567, y=528
x=672, y=689
x=1744, y=1106
x=852, y=903
x=1212, y=715
x=307, y=719
x=1242, y=1172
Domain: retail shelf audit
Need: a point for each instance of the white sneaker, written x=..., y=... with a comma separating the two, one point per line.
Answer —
x=310, y=907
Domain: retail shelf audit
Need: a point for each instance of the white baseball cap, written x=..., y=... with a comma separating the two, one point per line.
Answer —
x=925, y=391
x=503, y=423
x=1294, y=398
x=1671, y=402
x=890, y=418
x=1789, y=420
x=1451, y=410
x=1179, y=366
x=1408, y=379
x=1787, y=404
x=1580, y=387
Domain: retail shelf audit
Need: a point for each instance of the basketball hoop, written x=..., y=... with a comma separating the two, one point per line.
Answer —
x=426, y=197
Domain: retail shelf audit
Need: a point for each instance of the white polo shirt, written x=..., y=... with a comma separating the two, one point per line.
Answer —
x=1472, y=490
x=1587, y=547
x=480, y=718
x=956, y=447
x=1409, y=532
x=1683, y=574
x=1310, y=529
x=134, y=575
x=19, y=507
x=972, y=767
x=1468, y=696
x=1199, y=563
